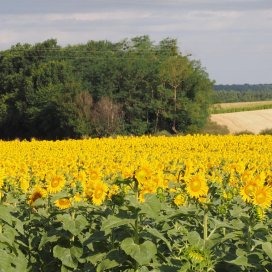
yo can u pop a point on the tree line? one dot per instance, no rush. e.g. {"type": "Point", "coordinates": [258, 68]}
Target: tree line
{"type": "Point", "coordinates": [242, 93]}
{"type": "Point", "coordinates": [101, 88]}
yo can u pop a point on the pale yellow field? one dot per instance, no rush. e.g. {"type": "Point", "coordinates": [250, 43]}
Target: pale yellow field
{"type": "Point", "coordinates": [253, 121]}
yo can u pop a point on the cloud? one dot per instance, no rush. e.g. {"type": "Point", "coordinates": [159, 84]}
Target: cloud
{"type": "Point", "coordinates": [219, 33]}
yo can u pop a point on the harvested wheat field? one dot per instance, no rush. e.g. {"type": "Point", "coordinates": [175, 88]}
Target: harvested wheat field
{"type": "Point", "coordinates": [253, 121]}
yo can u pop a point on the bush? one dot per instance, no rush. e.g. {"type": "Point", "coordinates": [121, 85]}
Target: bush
{"type": "Point", "coordinates": [244, 132]}
{"type": "Point", "coordinates": [267, 131]}
{"type": "Point", "coordinates": [214, 129]}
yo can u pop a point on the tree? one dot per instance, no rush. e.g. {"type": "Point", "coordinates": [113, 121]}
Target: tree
{"type": "Point", "coordinates": [130, 87]}
{"type": "Point", "coordinates": [173, 72]}
{"type": "Point", "coordinates": [107, 117]}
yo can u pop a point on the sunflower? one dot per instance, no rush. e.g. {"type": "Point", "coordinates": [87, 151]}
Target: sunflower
{"type": "Point", "coordinates": [143, 174]}
{"type": "Point", "coordinates": [196, 255]}
{"type": "Point", "coordinates": [263, 196]}
{"type": "Point", "coordinates": [37, 193]}
{"type": "Point", "coordinates": [94, 174]}
{"type": "Point", "coordinates": [260, 213]}
{"type": "Point", "coordinates": [247, 191]}
{"type": "Point", "coordinates": [114, 190]}
{"type": "Point", "coordinates": [1, 178]}
{"type": "Point", "coordinates": [127, 171]}
{"type": "Point", "coordinates": [78, 197]}
{"type": "Point", "coordinates": [63, 203]}
{"type": "Point", "coordinates": [99, 192]}
{"type": "Point", "coordinates": [197, 186]}
{"type": "Point", "coordinates": [179, 199]}
{"type": "Point", "coordinates": [24, 183]}
{"type": "Point", "coordinates": [55, 183]}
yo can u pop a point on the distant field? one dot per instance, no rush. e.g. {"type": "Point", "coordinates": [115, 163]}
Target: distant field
{"type": "Point", "coordinates": [253, 121]}
{"type": "Point", "coordinates": [240, 106]}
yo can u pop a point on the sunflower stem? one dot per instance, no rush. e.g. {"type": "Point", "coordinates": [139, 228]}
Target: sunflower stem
{"type": "Point", "coordinates": [136, 226]}
{"type": "Point", "coordinates": [205, 227]}
{"type": "Point", "coordinates": [73, 213]}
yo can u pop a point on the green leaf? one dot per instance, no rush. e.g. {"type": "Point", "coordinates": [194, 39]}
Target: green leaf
{"type": "Point", "coordinates": [8, 235]}
{"type": "Point", "coordinates": [113, 222]}
{"type": "Point", "coordinates": [64, 254]}
{"type": "Point", "coordinates": [6, 216]}
{"type": "Point", "coordinates": [76, 252]}
{"type": "Point", "coordinates": [142, 253]}
{"type": "Point", "coordinates": [241, 261]}
{"type": "Point", "coordinates": [81, 222]}
{"type": "Point", "coordinates": [267, 248]}
{"type": "Point", "coordinates": [111, 260]}
{"type": "Point", "coordinates": [185, 267]}
{"type": "Point", "coordinates": [238, 224]}
{"type": "Point", "coordinates": [240, 252]}
{"type": "Point", "coordinates": [95, 259]}
{"type": "Point", "coordinates": [194, 238]}
{"type": "Point", "coordinates": [151, 207]}
{"type": "Point", "coordinates": [68, 223]}
{"type": "Point", "coordinates": [47, 239]}
{"type": "Point", "coordinates": [64, 269]}
{"type": "Point", "coordinates": [96, 236]}
{"type": "Point", "coordinates": [58, 196]}
{"type": "Point", "coordinates": [5, 262]}
{"type": "Point", "coordinates": [19, 226]}
{"type": "Point", "coordinates": [106, 264]}
{"type": "Point", "coordinates": [157, 234]}
{"type": "Point", "coordinates": [21, 262]}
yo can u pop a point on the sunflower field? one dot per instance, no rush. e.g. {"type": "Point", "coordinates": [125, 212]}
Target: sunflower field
{"type": "Point", "coordinates": [188, 203]}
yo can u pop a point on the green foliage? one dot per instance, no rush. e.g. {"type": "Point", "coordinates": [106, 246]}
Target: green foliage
{"type": "Point", "coordinates": [267, 131]}
{"type": "Point", "coordinates": [222, 235]}
{"type": "Point", "coordinates": [242, 93]}
{"type": "Point", "coordinates": [136, 87]}
{"type": "Point", "coordinates": [213, 128]}
{"type": "Point", "coordinates": [244, 132]}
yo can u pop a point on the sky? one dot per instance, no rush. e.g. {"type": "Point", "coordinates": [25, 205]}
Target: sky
{"type": "Point", "coordinates": [231, 38]}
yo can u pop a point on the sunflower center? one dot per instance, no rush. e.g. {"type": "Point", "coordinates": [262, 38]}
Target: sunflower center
{"type": "Point", "coordinates": [249, 189]}
{"type": "Point", "coordinates": [261, 198]}
{"type": "Point", "coordinates": [98, 193]}
{"type": "Point", "coordinates": [55, 182]}
{"type": "Point", "coordinates": [94, 175]}
{"type": "Point", "coordinates": [195, 185]}
{"type": "Point", "coordinates": [64, 201]}
{"type": "Point", "coordinates": [36, 196]}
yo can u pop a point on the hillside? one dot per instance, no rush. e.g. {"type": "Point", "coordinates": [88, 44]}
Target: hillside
{"type": "Point", "coordinates": [253, 121]}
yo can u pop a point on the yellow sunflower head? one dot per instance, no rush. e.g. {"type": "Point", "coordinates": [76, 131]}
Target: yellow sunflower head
{"type": "Point", "coordinates": [94, 174]}
{"type": "Point", "coordinates": [55, 183]}
{"type": "Point", "coordinates": [114, 190]}
{"type": "Point", "coordinates": [143, 174]}
{"type": "Point", "coordinates": [179, 199]}
{"type": "Point", "coordinates": [78, 197]}
{"type": "Point", "coordinates": [37, 193]}
{"type": "Point", "coordinates": [247, 191]}
{"type": "Point", "coordinates": [63, 203]}
{"type": "Point", "coordinates": [197, 186]}
{"type": "Point", "coordinates": [263, 197]}
{"type": "Point", "coordinates": [99, 193]}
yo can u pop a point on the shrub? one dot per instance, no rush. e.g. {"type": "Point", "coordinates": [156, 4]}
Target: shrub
{"type": "Point", "coordinates": [267, 131]}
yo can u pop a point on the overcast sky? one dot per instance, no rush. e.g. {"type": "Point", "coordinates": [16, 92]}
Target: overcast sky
{"type": "Point", "coordinates": [231, 38]}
